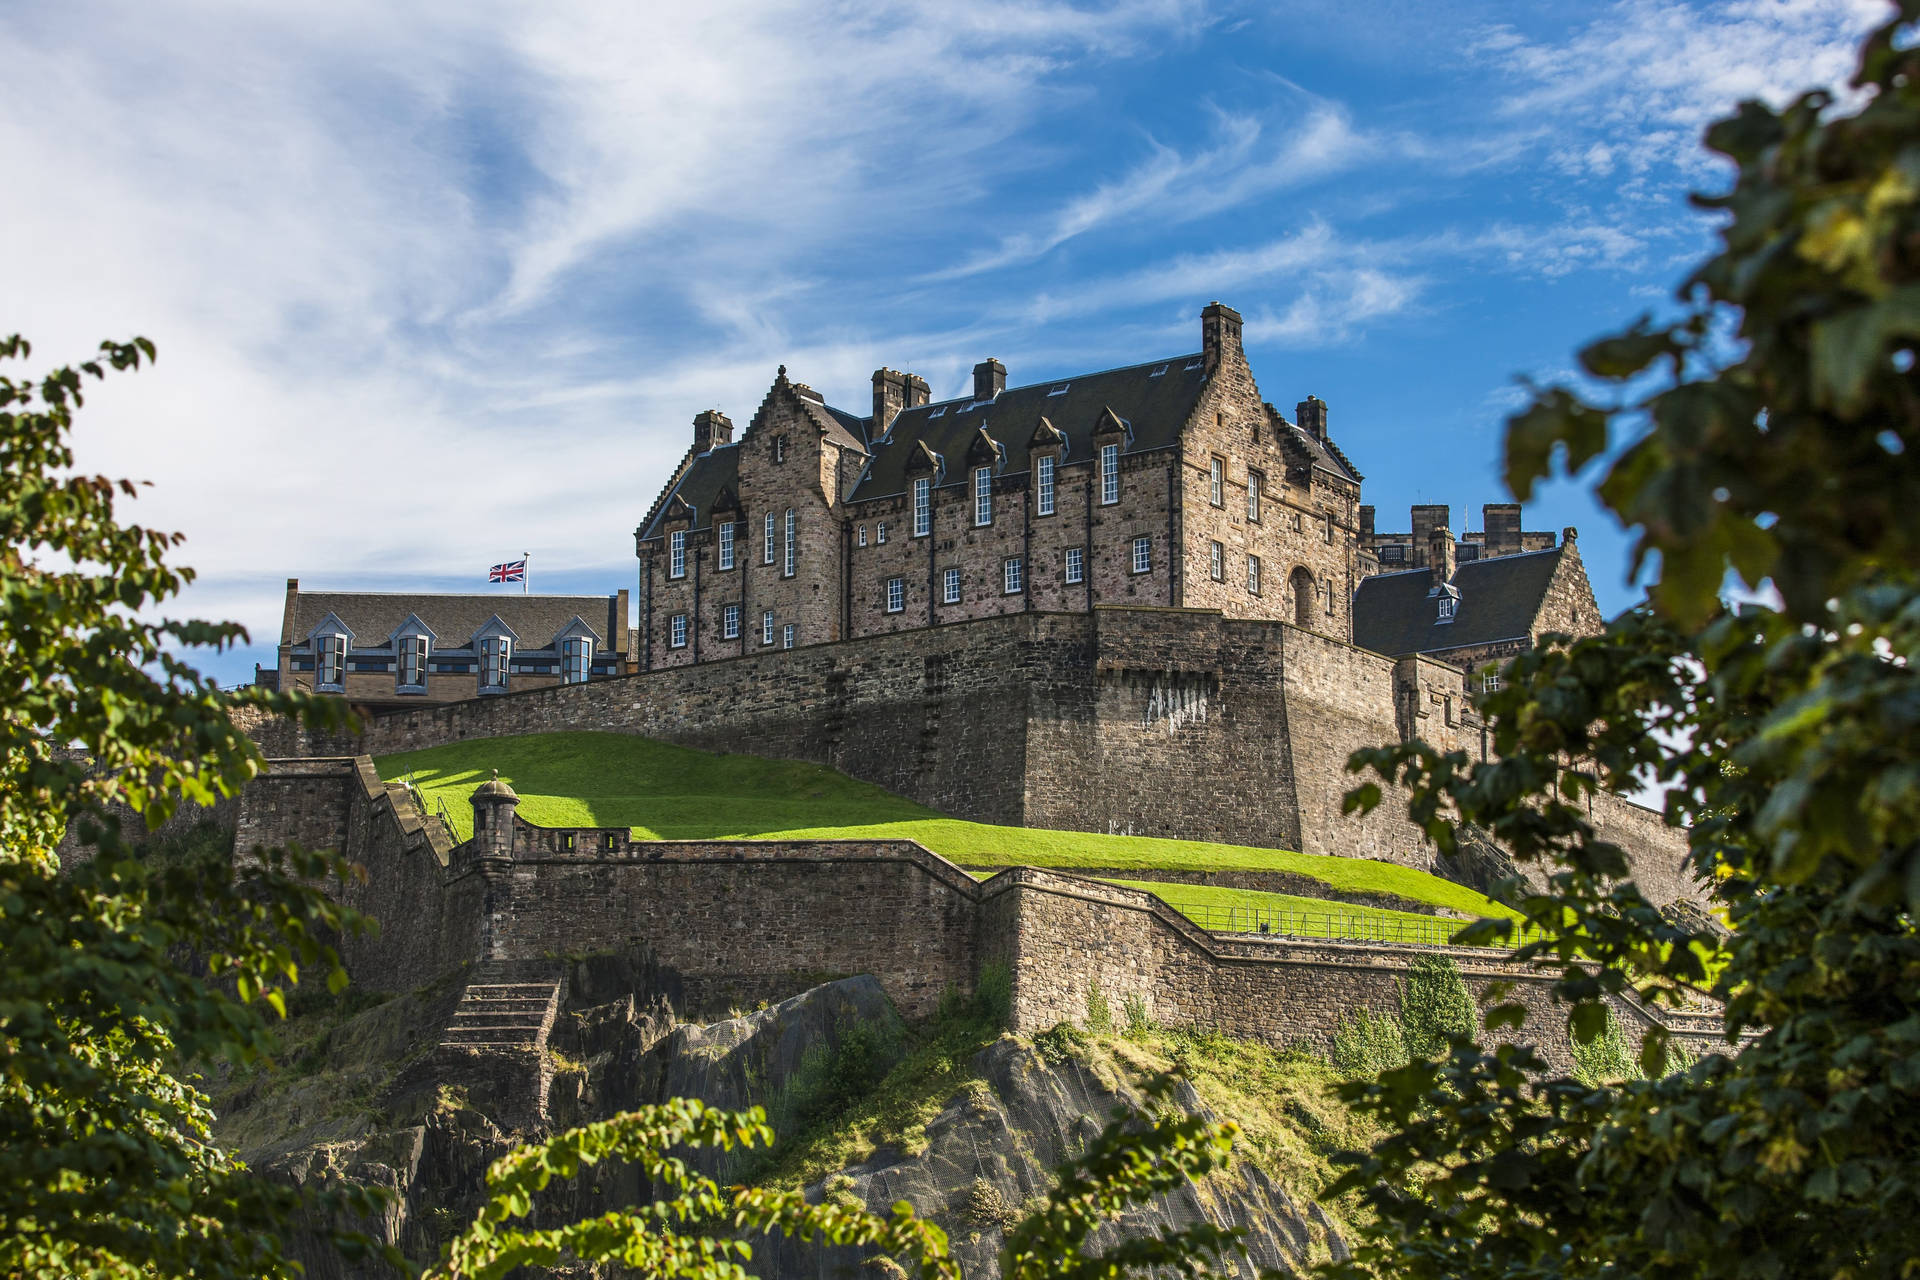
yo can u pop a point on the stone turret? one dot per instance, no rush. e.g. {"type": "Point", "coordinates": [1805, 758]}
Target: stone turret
{"type": "Point", "coordinates": [494, 803]}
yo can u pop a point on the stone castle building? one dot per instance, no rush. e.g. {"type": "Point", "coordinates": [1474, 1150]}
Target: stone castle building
{"type": "Point", "coordinates": [1166, 483]}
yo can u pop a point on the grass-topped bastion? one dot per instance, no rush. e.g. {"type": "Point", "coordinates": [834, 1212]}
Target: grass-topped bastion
{"type": "Point", "coordinates": [665, 792]}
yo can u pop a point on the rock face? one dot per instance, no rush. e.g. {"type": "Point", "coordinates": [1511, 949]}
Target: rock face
{"type": "Point", "coordinates": [614, 1047]}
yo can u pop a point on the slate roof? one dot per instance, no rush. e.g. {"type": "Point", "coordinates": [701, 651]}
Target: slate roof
{"type": "Point", "coordinates": [711, 472]}
{"type": "Point", "coordinates": [372, 616]}
{"type": "Point", "coordinates": [1324, 454]}
{"type": "Point", "coordinates": [1155, 405]}
{"type": "Point", "coordinates": [1499, 599]}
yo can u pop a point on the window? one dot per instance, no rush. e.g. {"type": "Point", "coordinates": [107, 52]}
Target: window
{"type": "Point", "coordinates": [1217, 483]}
{"type": "Point", "coordinates": [766, 547]}
{"type": "Point", "coordinates": [1016, 576]}
{"type": "Point", "coordinates": [1076, 564]}
{"type": "Point", "coordinates": [1109, 474]}
{"type": "Point", "coordinates": [495, 653]}
{"type": "Point", "coordinates": [1254, 481]}
{"type": "Point", "coordinates": [766, 627]}
{"type": "Point", "coordinates": [576, 655]}
{"type": "Point", "coordinates": [786, 570]}
{"type": "Point", "coordinates": [1490, 682]}
{"type": "Point", "coordinates": [1060, 390]}
{"type": "Point", "coordinates": [726, 545]}
{"type": "Point", "coordinates": [896, 594]}
{"type": "Point", "coordinates": [677, 554]}
{"type": "Point", "coordinates": [1043, 485]}
{"type": "Point", "coordinates": [880, 532]}
{"type": "Point", "coordinates": [779, 448]}
{"type": "Point", "coordinates": [982, 496]}
{"type": "Point", "coordinates": [950, 587]}
{"type": "Point", "coordinates": [786, 636]}
{"type": "Point", "coordinates": [863, 535]}
{"type": "Point", "coordinates": [332, 665]}
{"type": "Point", "coordinates": [1143, 555]}
{"type": "Point", "coordinates": [1217, 561]}
{"type": "Point", "coordinates": [730, 622]}
{"type": "Point", "coordinates": [1446, 609]}
{"type": "Point", "coordinates": [922, 507]}
{"type": "Point", "coordinates": [1329, 595]}
{"type": "Point", "coordinates": [1329, 526]}
{"type": "Point", "coordinates": [677, 631]}
{"type": "Point", "coordinates": [1393, 553]}
{"type": "Point", "coordinates": [413, 662]}
{"type": "Point", "coordinates": [1157, 372]}
{"type": "Point", "coordinates": [1253, 575]}
{"type": "Point", "coordinates": [1296, 522]}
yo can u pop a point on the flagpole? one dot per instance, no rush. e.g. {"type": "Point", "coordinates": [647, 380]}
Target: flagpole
{"type": "Point", "coordinates": [527, 577]}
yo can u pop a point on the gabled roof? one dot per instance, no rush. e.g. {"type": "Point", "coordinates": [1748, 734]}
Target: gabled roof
{"type": "Point", "coordinates": [1156, 405]}
{"type": "Point", "coordinates": [1499, 599]}
{"type": "Point", "coordinates": [700, 487]}
{"type": "Point", "coordinates": [373, 616]}
{"type": "Point", "coordinates": [1324, 454]}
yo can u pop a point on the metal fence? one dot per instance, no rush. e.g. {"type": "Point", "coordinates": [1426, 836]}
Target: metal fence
{"type": "Point", "coordinates": [1337, 926]}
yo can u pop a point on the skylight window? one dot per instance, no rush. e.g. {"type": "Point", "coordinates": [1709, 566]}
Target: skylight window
{"type": "Point", "coordinates": [936, 411]}
{"type": "Point", "coordinates": [1060, 390]}
{"type": "Point", "coordinates": [1157, 372]}
{"type": "Point", "coordinates": [1194, 363]}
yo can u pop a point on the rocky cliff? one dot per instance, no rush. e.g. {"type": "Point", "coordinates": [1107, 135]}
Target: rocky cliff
{"type": "Point", "coordinates": [962, 1122]}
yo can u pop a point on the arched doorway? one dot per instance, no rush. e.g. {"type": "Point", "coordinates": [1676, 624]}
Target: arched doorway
{"type": "Point", "coordinates": [1304, 595]}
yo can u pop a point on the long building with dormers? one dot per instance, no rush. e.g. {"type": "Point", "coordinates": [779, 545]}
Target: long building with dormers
{"type": "Point", "coordinates": [1169, 482]}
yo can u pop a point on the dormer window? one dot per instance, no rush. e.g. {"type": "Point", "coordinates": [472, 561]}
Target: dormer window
{"type": "Point", "coordinates": [330, 661]}
{"type": "Point", "coordinates": [576, 653]}
{"type": "Point", "coordinates": [725, 533]}
{"type": "Point", "coordinates": [1109, 474]}
{"type": "Point", "coordinates": [982, 496]}
{"type": "Point", "coordinates": [1043, 485]}
{"type": "Point", "coordinates": [496, 652]}
{"type": "Point", "coordinates": [922, 507]}
{"type": "Point", "coordinates": [413, 663]}
{"type": "Point", "coordinates": [1446, 606]}
{"type": "Point", "coordinates": [677, 554]}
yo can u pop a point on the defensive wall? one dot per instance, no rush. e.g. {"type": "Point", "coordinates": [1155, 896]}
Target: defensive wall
{"type": "Point", "coordinates": [741, 921]}
{"type": "Point", "coordinates": [1146, 721]}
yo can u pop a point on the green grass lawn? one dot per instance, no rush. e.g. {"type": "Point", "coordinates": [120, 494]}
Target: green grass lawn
{"type": "Point", "coordinates": [666, 792]}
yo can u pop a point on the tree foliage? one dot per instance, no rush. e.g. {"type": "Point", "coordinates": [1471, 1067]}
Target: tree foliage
{"type": "Point", "coordinates": [1774, 434]}
{"type": "Point", "coordinates": [121, 973]}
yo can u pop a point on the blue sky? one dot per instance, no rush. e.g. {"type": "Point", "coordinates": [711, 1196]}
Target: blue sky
{"type": "Point", "coordinates": [437, 284]}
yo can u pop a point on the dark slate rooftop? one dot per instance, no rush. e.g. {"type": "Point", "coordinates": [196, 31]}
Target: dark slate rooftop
{"type": "Point", "coordinates": [1392, 613]}
{"type": "Point", "coordinates": [1154, 399]}
{"type": "Point", "coordinates": [700, 487]}
{"type": "Point", "coordinates": [373, 616]}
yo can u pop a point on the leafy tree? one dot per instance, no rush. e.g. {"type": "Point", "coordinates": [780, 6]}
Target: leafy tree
{"type": "Point", "coordinates": [121, 971]}
{"type": "Point", "coordinates": [1777, 437]}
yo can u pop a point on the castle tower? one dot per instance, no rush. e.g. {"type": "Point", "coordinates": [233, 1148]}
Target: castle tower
{"type": "Point", "coordinates": [494, 803]}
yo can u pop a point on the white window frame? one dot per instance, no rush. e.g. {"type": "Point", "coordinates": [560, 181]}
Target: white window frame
{"type": "Point", "coordinates": [1254, 481]}
{"type": "Point", "coordinates": [922, 507]}
{"type": "Point", "coordinates": [1109, 474]}
{"type": "Point", "coordinates": [1076, 565]}
{"type": "Point", "coordinates": [787, 556]}
{"type": "Point", "coordinates": [1217, 561]}
{"type": "Point", "coordinates": [896, 595]}
{"type": "Point", "coordinates": [730, 622]}
{"type": "Point", "coordinates": [576, 659]}
{"type": "Point", "coordinates": [982, 497]}
{"type": "Point", "coordinates": [1253, 575]}
{"type": "Point", "coordinates": [950, 587]}
{"type": "Point", "coordinates": [725, 533]}
{"type": "Point", "coordinates": [677, 631]}
{"type": "Point", "coordinates": [880, 533]}
{"type": "Point", "coordinates": [677, 554]}
{"type": "Point", "coordinates": [1217, 481]}
{"type": "Point", "coordinates": [863, 535]}
{"type": "Point", "coordinates": [1043, 485]}
{"type": "Point", "coordinates": [766, 627]}
{"type": "Point", "coordinates": [496, 660]}
{"type": "Point", "coordinates": [1444, 613]}
{"type": "Point", "coordinates": [1143, 554]}
{"type": "Point", "coordinates": [412, 650]}
{"type": "Point", "coordinates": [330, 651]}
{"type": "Point", "coordinates": [1013, 576]}
{"type": "Point", "coordinates": [1490, 682]}
{"type": "Point", "coordinates": [786, 636]}
{"type": "Point", "coordinates": [766, 551]}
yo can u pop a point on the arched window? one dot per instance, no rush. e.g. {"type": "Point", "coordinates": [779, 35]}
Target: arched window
{"type": "Point", "coordinates": [1304, 591]}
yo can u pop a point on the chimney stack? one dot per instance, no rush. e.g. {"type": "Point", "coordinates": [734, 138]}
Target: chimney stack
{"type": "Point", "coordinates": [989, 379]}
{"type": "Point", "coordinates": [1366, 525]}
{"type": "Point", "coordinates": [1311, 414]}
{"type": "Point", "coordinates": [1219, 335]}
{"type": "Point", "coordinates": [711, 428]}
{"type": "Point", "coordinates": [1500, 522]}
{"type": "Point", "coordinates": [1440, 556]}
{"type": "Point", "coordinates": [1426, 518]}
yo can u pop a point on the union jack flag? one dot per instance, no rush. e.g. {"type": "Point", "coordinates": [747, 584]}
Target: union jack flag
{"type": "Point", "coordinates": [511, 571]}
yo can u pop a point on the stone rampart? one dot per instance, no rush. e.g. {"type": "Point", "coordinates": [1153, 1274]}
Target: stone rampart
{"type": "Point", "coordinates": [742, 921]}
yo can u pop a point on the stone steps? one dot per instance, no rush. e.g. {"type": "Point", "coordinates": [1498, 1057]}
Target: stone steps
{"type": "Point", "coordinates": [496, 1012]}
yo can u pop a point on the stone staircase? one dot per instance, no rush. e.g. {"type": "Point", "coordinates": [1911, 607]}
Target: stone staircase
{"type": "Point", "coordinates": [506, 1006]}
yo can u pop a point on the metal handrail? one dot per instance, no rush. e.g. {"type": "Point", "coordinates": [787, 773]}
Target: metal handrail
{"type": "Point", "coordinates": [1338, 926]}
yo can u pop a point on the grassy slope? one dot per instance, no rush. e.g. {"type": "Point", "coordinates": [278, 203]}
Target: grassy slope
{"type": "Point", "coordinates": [1209, 905]}
{"type": "Point", "coordinates": [674, 793]}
